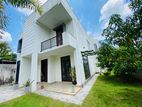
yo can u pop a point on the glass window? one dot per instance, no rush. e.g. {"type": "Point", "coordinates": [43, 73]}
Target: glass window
{"type": "Point", "coordinates": [86, 67]}
{"type": "Point", "coordinates": [19, 46]}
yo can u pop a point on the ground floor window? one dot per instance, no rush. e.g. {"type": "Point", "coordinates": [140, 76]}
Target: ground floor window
{"type": "Point", "coordinates": [86, 67]}
{"type": "Point", "coordinates": [17, 72]}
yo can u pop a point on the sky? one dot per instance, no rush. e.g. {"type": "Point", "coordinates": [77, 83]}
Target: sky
{"type": "Point", "coordinates": [92, 14]}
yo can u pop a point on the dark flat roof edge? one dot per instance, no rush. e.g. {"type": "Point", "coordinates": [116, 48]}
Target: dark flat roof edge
{"type": "Point", "coordinates": [7, 62]}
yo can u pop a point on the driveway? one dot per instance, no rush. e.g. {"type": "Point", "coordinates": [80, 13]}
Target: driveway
{"type": "Point", "coordinates": [7, 93]}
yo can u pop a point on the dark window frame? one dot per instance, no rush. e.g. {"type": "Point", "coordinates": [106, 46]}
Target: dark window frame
{"type": "Point", "coordinates": [19, 46]}
{"type": "Point", "coordinates": [86, 67]}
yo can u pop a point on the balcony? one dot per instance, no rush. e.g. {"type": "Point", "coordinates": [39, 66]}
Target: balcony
{"type": "Point", "coordinates": [57, 15]}
{"type": "Point", "coordinates": [65, 39]}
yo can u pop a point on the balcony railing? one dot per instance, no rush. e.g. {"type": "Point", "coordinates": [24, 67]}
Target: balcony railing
{"type": "Point", "coordinates": [52, 42]}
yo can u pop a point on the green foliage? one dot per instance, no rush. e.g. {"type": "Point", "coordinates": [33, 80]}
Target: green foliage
{"type": "Point", "coordinates": [73, 75]}
{"type": "Point", "coordinates": [28, 83]}
{"type": "Point", "coordinates": [105, 56]}
{"type": "Point", "coordinates": [31, 4]}
{"type": "Point", "coordinates": [13, 57]}
{"type": "Point", "coordinates": [122, 50]}
{"type": "Point", "coordinates": [106, 73]}
{"type": "Point", "coordinates": [106, 92]}
{"type": "Point", "coordinates": [6, 53]}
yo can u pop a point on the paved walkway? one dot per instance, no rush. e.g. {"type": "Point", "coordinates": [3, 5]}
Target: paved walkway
{"type": "Point", "coordinates": [8, 93]}
{"type": "Point", "coordinates": [77, 99]}
{"type": "Point", "coordinates": [60, 87]}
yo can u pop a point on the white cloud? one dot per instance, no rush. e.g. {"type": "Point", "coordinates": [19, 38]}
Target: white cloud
{"type": "Point", "coordinates": [96, 36]}
{"type": "Point", "coordinates": [5, 36]}
{"type": "Point", "coordinates": [27, 11]}
{"type": "Point", "coordinates": [100, 37]}
{"type": "Point", "coordinates": [114, 7]}
{"type": "Point", "coordinates": [42, 1]}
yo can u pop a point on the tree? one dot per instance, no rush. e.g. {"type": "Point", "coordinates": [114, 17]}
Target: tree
{"type": "Point", "coordinates": [105, 56]}
{"type": "Point", "coordinates": [31, 4]}
{"type": "Point", "coordinates": [124, 47]}
{"type": "Point", "coordinates": [13, 57]}
{"type": "Point", "coordinates": [6, 53]}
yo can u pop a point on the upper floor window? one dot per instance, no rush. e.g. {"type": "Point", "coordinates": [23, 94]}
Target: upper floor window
{"type": "Point", "coordinates": [19, 46]}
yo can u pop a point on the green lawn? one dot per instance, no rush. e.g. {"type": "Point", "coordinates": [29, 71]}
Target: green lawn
{"type": "Point", "coordinates": [107, 92]}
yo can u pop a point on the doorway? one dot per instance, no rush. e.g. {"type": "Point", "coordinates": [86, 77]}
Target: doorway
{"type": "Point", "coordinates": [65, 68]}
{"type": "Point", "coordinates": [44, 70]}
{"type": "Point", "coordinates": [17, 72]}
{"type": "Point", "coordinates": [59, 31]}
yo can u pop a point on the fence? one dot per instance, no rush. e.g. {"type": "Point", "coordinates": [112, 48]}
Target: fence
{"type": "Point", "coordinates": [7, 73]}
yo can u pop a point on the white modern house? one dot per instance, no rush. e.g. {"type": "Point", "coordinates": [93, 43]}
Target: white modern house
{"type": "Point", "coordinates": [53, 43]}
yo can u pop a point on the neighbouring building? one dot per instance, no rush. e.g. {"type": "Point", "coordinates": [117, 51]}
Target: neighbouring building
{"type": "Point", "coordinates": [51, 44]}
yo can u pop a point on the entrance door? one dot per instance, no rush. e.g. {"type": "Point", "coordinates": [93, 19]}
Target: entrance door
{"type": "Point", "coordinates": [65, 68]}
{"type": "Point", "coordinates": [44, 69]}
{"type": "Point", "coordinates": [17, 72]}
{"type": "Point", "coordinates": [59, 31]}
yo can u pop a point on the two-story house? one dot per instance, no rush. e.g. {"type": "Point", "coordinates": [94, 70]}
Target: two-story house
{"type": "Point", "coordinates": [53, 43]}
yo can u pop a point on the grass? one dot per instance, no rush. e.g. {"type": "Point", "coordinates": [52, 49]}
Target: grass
{"type": "Point", "coordinates": [106, 92]}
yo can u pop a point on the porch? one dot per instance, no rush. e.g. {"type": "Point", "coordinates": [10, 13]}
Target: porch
{"type": "Point", "coordinates": [54, 66]}
{"type": "Point", "coordinates": [76, 99]}
{"type": "Point", "coordinates": [60, 87]}
{"type": "Point", "coordinates": [50, 67]}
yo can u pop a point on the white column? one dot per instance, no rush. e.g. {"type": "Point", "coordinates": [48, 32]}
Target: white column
{"type": "Point", "coordinates": [80, 76]}
{"type": "Point", "coordinates": [25, 71]}
{"type": "Point", "coordinates": [34, 69]}
{"type": "Point", "coordinates": [21, 73]}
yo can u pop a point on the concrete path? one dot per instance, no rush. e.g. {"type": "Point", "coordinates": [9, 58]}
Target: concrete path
{"type": "Point", "coordinates": [77, 99]}
{"type": "Point", "coordinates": [8, 93]}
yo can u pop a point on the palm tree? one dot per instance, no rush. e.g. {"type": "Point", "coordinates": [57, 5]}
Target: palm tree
{"type": "Point", "coordinates": [31, 4]}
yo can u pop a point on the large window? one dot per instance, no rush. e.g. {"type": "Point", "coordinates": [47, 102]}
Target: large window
{"type": "Point", "coordinates": [17, 72]}
{"type": "Point", "coordinates": [19, 46]}
{"type": "Point", "coordinates": [86, 67]}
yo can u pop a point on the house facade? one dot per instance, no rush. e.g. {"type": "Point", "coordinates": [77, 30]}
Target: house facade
{"type": "Point", "coordinates": [53, 43]}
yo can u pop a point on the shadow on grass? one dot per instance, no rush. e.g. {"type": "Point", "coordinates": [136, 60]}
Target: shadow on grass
{"type": "Point", "coordinates": [122, 93]}
{"type": "Point", "coordinates": [118, 81]}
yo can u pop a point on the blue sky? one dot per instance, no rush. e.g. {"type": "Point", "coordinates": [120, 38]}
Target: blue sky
{"type": "Point", "coordinates": [15, 25]}
{"type": "Point", "coordinates": [93, 15]}
{"type": "Point", "coordinates": [88, 13]}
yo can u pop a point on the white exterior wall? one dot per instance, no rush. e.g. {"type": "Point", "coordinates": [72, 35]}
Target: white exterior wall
{"type": "Point", "coordinates": [54, 67]}
{"type": "Point", "coordinates": [25, 70]}
{"type": "Point", "coordinates": [57, 75]}
{"type": "Point", "coordinates": [51, 69]}
{"type": "Point", "coordinates": [93, 64]}
{"type": "Point", "coordinates": [35, 33]}
{"type": "Point", "coordinates": [34, 71]}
